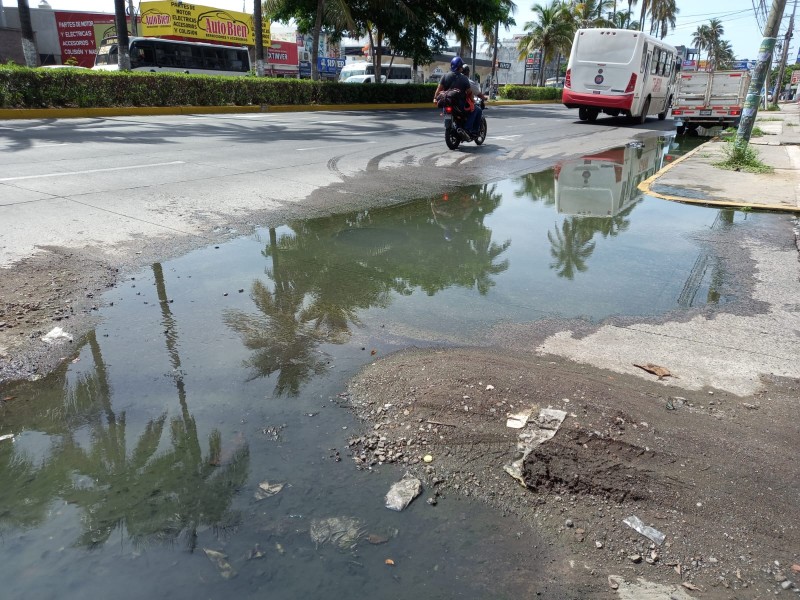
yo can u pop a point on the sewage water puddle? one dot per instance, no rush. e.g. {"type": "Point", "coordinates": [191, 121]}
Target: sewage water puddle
{"type": "Point", "coordinates": [141, 457]}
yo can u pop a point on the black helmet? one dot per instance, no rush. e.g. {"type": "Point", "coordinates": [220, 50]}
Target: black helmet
{"type": "Point", "coordinates": [456, 64]}
{"type": "Point", "coordinates": [465, 70]}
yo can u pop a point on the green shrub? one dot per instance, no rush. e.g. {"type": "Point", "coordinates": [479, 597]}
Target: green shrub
{"type": "Point", "coordinates": [526, 92]}
{"type": "Point", "coordinates": [21, 87]}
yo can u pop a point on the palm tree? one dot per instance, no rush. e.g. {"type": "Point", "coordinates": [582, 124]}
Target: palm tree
{"type": "Point", "coordinates": [701, 38]}
{"type": "Point", "coordinates": [622, 20]}
{"type": "Point", "coordinates": [551, 32]}
{"type": "Point", "coordinates": [589, 13]}
{"type": "Point", "coordinates": [663, 15]}
{"type": "Point", "coordinates": [631, 4]}
{"type": "Point", "coordinates": [723, 55]}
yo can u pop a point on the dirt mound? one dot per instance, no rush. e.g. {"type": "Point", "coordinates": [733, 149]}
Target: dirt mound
{"type": "Point", "coordinates": [713, 472]}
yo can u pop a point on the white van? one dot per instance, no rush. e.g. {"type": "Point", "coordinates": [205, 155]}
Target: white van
{"type": "Point", "coordinates": [619, 71]}
{"type": "Point", "coordinates": [364, 72]}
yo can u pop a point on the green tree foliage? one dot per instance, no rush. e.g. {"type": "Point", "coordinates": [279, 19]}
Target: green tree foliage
{"type": "Point", "coordinates": [551, 33]}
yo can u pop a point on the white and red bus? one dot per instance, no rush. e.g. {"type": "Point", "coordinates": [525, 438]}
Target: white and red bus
{"type": "Point", "coordinates": [619, 72]}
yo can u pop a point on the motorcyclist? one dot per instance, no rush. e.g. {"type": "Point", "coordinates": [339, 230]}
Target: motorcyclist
{"type": "Point", "coordinates": [456, 79]}
{"type": "Point", "coordinates": [476, 93]}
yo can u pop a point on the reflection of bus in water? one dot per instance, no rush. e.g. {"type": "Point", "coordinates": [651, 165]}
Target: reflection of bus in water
{"type": "Point", "coordinates": [603, 184]}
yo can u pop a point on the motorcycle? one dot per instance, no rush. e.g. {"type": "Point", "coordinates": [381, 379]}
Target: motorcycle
{"type": "Point", "coordinates": [455, 119]}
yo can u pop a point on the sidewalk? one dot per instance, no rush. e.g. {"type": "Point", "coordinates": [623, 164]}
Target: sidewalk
{"type": "Point", "coordinates": [694, 179]}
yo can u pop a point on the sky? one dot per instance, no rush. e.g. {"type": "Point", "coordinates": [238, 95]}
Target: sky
{"type": "Point", "coordinates": [737, 16]}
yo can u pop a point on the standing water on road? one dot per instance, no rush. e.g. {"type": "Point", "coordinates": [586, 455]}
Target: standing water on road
{"type": "Point", "coordinates": [196, 442]}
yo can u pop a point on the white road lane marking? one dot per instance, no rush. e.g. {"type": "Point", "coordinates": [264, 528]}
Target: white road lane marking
{"type": "Point", "coordinates": [67, 173]}
{"type": "Point", "coordinates": [506, 137]}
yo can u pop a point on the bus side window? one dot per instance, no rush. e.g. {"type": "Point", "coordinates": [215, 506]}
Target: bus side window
{"type": "Point", "coordinates": [643, 66]}
{"type": "Point", "coordinates": [654, 63]}
{"type": "Point", "coordinates": [142, 55]}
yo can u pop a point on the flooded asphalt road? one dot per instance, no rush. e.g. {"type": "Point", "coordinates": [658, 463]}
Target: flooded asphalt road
{"type": "Point", "coordinates": [222, 369]}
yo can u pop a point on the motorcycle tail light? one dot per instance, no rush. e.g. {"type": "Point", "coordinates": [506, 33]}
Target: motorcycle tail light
{"type": "Point", "coordinates": [448, 109]}
{"type": "Point", "coordinates": [631, 84]}
{"type": "Point", "coordinates": [568, 79]}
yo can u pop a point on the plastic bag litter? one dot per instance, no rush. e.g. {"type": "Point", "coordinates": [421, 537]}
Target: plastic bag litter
{"type": "Point", "coordinates": [403, 492]}
{"type": "Point", "coordinates": [547, 422]}
{"type": "Point", "coordinates": [267, 489]}
{"type": "Point", "coordinates": [649, 532]}
{"type": "Point", "coordinates": [518, 420]}
{"type": "Point", "coordinates": [220, 560]}
{"type": "Point", "coordinates": [7, 436]}
{"type": "Point", "coordinates": [56, 334]}
{"type": "Point", "coordinates": [343, 532]}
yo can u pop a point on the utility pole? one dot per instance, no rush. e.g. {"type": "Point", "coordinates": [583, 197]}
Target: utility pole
{"type": "Point", "coordinates": [132, 15]}
{"type": "Point", "coordinates": [474, 47]}
{"type": "Point", "coordinates": [784, 56]}
{"type": "Point", "coordinates": [259, 31]}
{"type": "Point", "coordinates": [759, 75]}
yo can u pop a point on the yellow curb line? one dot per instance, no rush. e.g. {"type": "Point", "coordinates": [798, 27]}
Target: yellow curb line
{"type": "Point", "coordinates": [130, 111]}
{"type": "Point", "coordinates": [645, 188]}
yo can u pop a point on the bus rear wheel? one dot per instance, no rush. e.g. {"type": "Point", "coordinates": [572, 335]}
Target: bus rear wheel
{"type": "Point", "coordinates": [642, 118]}
{"type": "Point", "coordinates": [593, 112]}
{"type": "Point", "coordinates": [583, 113]}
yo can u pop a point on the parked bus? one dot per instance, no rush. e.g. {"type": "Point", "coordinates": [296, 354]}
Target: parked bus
{"type": "Point", "coordinates": [364, 72]}
{"type": "Point", "coordinates": [162, 56]}
{"type": "Point", "coordinates": [619, 71]}
{"type": "Point", "coordinates": [606, 183]}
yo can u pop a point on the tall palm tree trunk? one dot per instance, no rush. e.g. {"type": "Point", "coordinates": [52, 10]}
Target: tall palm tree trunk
{"type": "Point", "coordinates": [28, 41]}
{"type": "Point", "coordinates": [259, 35]}
{"type": "Point", "coordinates": [645, 6]}
{"type": "Point", "coordinates": [315, 40]}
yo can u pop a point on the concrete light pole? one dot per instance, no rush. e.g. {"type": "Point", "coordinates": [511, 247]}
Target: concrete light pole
{"type": "Point", "coordinates": [759, 75]}
{"type": "Point", "coordinates": [784, 56]}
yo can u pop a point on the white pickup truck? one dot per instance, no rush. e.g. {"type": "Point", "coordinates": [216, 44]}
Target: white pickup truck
{"type": "Point", "coordinates": [709, 99]}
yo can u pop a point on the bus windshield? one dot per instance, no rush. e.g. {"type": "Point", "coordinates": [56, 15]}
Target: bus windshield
{"type": "Point", "coordinates": [106, 55]}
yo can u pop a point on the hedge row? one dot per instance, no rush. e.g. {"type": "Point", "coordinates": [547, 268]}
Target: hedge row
{"type": "Point", "coordinates": [524, 92]}
{"type": "Point", "coordinates": [21, 87]}
{"type": "Point", "coordinates": [61, 88]}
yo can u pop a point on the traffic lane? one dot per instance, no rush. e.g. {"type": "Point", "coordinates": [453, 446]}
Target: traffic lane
{"type": "Point", "coordinates": [323, 145]}
{"type": "Point", "coordinates": [218, 178]}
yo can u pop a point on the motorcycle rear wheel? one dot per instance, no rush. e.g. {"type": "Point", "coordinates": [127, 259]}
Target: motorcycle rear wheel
{"type": "Point", "coordinates": [482, 133]}
{"type": "Point", "coordinates": [451, 138]}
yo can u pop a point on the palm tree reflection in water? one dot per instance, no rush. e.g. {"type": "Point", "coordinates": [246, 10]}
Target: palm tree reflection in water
{"type": "Point", "coordinates": [325, 271]}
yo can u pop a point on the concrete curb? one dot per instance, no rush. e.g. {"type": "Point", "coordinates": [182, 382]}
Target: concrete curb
{"type": "Point", "coordinates": [645, 187]}
{"type": "Point", "coordinates": [130, 111]}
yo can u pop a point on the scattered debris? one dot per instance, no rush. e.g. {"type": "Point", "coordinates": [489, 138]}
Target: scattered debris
{"type": "Point", "coordinates": [376, 539]}
{"type": "Point", "coordinates": [547, 424]}
{"type": "Point", "coordinates": [649, 532]}
{"type": "Point", "coordinates": [690, 586]}
{"type": "Point", "coordinates": [427, 458]}
{"type": "Point", "coordinates": [796, 568]}
{"type": "Point", "coordinates": [55, 335]}
{"type": "Point", "coordinates": [7, 436]}
{"type": "Point", "coordinates": [613, 583]}
{"type": "Point", "coordinates": [255, 553]}
{"type": "Point", "coordinates": [267, 490]}
{"type": "Point", "coordinates": [660, 372]}
{"type": "Point", "coordinates": [403, 492]}
{"type": "Point", "coordinates": [220, 559]}
{"type": "Point", "coordinates": [489, 387]}
{"type": "Point", "coordinates": [635, 558]}
{"type": "Point", "coordinates": [519, 419]}
{"type": "Point", "coordinates": [343, 532]}
{"type": "Point", "coordinates": [389, 562]}
{"type": "Point", "coordinates": [750, 406]}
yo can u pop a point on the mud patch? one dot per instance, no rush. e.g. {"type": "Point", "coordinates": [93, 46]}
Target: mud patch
{"type": "Point", "coordinates": [707, 470]}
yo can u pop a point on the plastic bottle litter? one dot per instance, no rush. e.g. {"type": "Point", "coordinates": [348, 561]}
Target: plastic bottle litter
{"type": "Point", "coordinates": [402, 493]}
{"type": "Point", "coordinates": [55, 335]}
{"type": "Point", "coordinates": [649, 532]}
